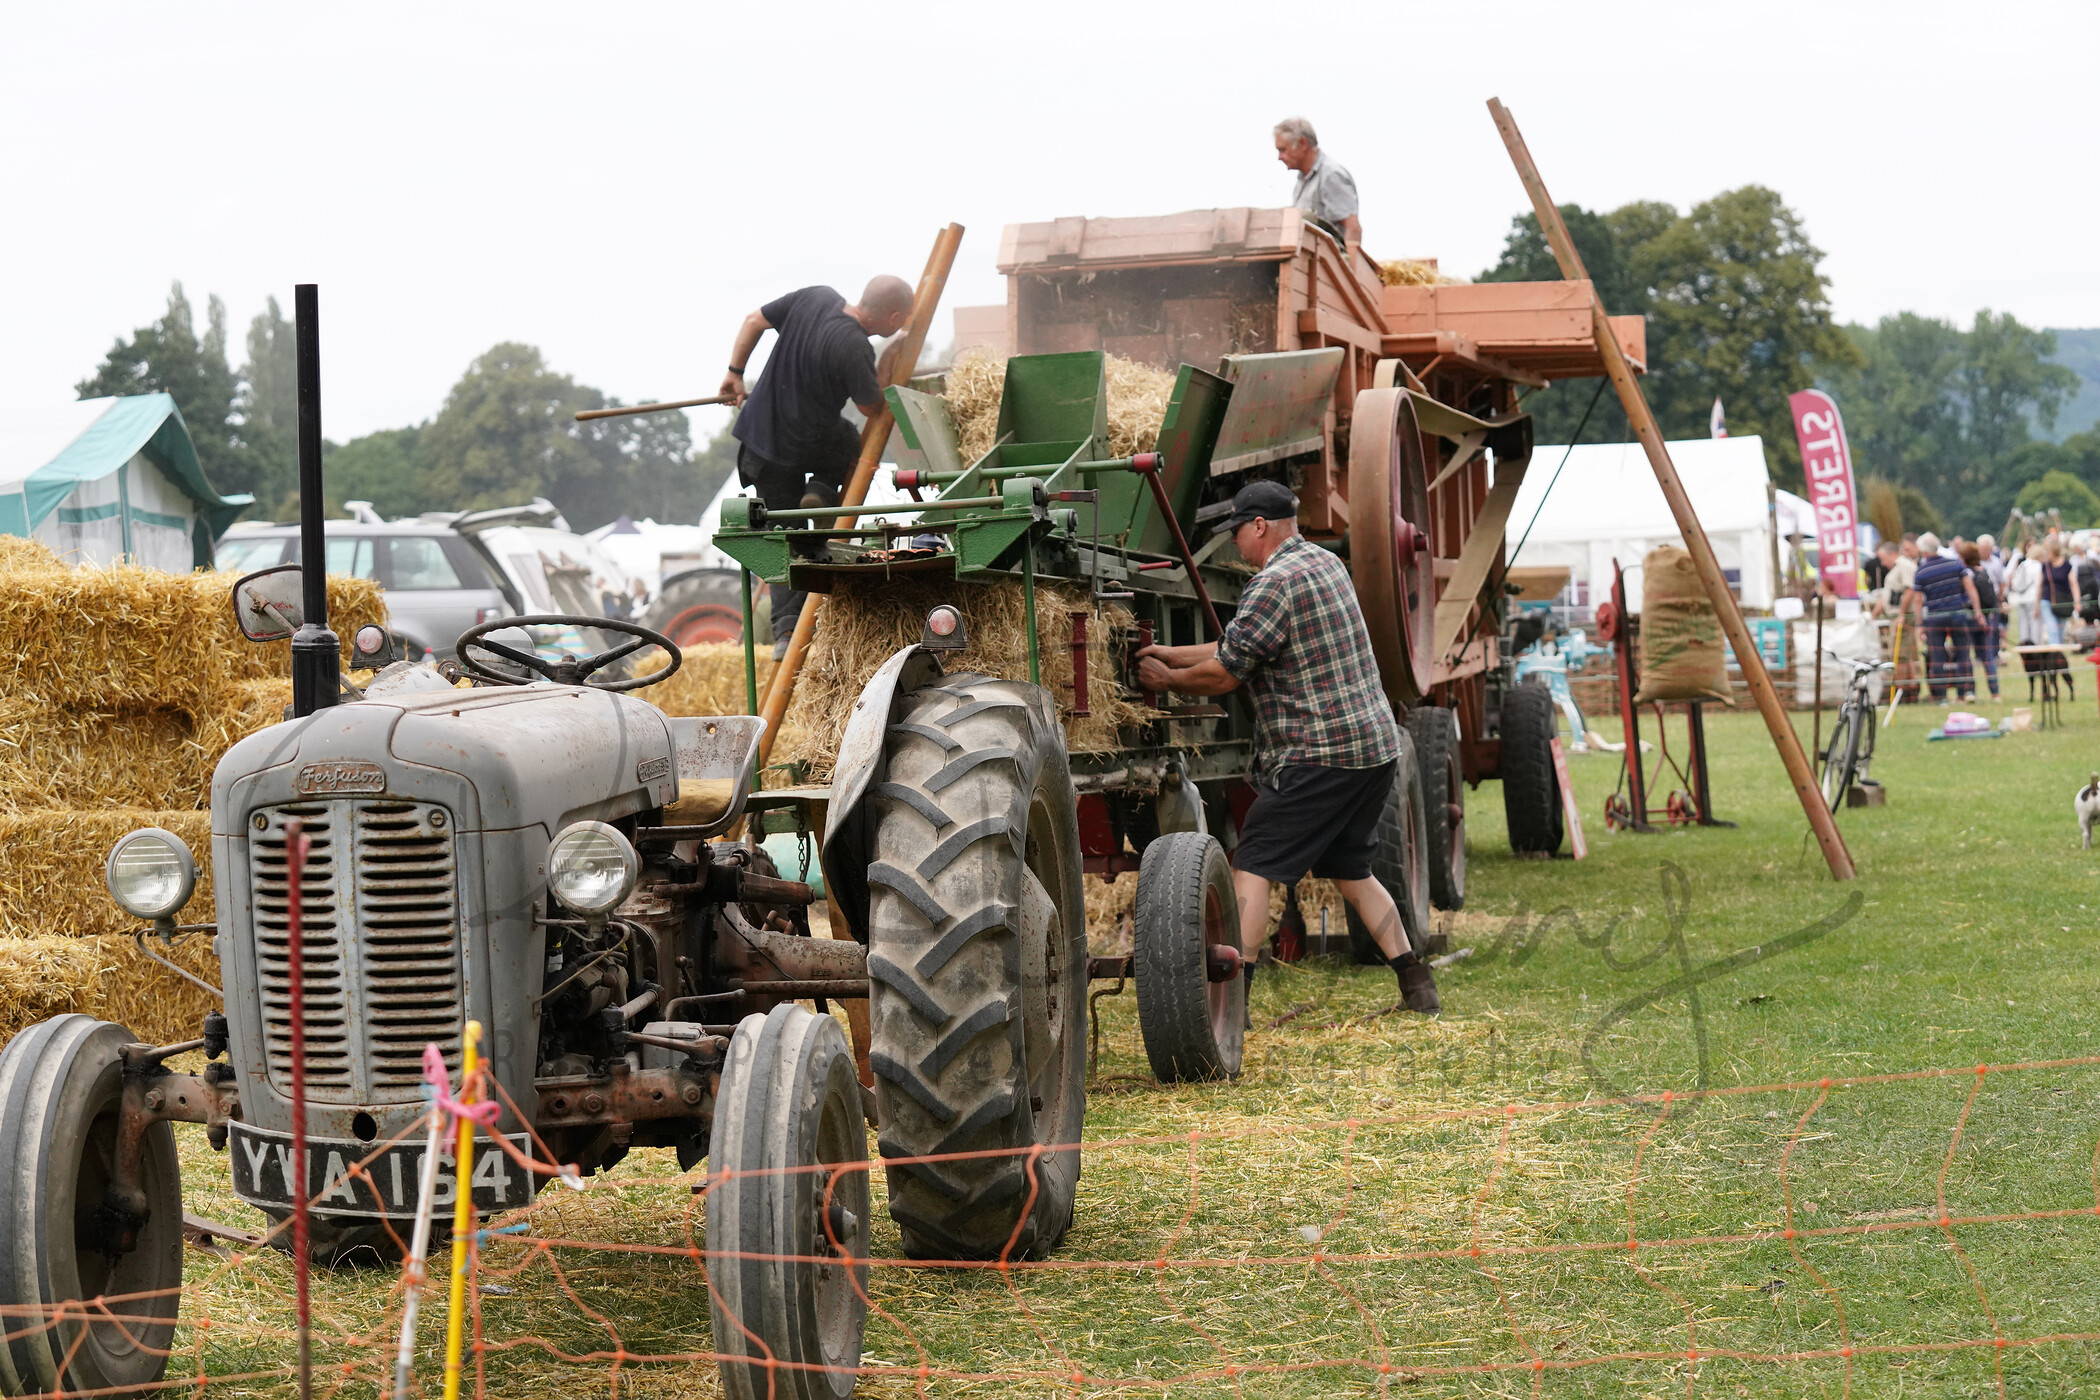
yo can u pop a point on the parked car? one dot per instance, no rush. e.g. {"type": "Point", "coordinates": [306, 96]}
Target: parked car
{"type": "Point", "coordinates": [444, 572]}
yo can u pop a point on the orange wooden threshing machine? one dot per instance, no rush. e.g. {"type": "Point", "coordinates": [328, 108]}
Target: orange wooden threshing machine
{"type": "Point", "coordinates": [1395, 412]}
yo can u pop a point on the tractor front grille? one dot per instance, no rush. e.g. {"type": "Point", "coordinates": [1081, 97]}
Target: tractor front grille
{"type": "Point", "coordinates": [381, 944]}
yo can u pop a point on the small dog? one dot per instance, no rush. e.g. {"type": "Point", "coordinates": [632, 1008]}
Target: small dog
{"type": "Point", "coordinates": [2087, 805]}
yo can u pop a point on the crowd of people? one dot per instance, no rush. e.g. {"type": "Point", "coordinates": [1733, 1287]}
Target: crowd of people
{"type": "Point", "coordinates": [1969, 600]}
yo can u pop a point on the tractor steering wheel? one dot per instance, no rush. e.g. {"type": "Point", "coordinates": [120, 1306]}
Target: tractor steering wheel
{"type": "Point", "coordinates": [573, 670]}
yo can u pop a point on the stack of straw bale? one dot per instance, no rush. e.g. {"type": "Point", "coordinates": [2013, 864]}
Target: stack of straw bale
{"type": "Point", "coordinates": [862, 624]}
{"type": "Point", "coordinates": [1405, 272]}
{"type": "Point", "coordinates": [120, 688]}
{"type": "Point", "coordinates": [710, 681]}
{"type": "Point", "coordinates": [1137, 403]}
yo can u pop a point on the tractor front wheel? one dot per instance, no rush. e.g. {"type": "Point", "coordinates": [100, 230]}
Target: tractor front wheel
{"type": "Point", "coordinates": [90, 1273]}
{"type": "Point", "coordinates": [787, 1246]}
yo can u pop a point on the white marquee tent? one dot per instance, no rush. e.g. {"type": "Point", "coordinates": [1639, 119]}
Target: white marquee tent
{"type": "Point", "coordinates": [105, 479]}
{"type": "Point", "coordinates": [1606, 505]}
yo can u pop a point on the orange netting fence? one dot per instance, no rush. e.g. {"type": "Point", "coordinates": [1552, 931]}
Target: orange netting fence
{"type": "Point", "coordinates": [1521, 1240]}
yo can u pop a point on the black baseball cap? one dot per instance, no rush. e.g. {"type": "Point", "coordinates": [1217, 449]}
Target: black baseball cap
{"type": "Point", "coordinates": [1259, 500]}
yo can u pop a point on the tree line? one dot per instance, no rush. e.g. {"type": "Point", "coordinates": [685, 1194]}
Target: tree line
{"type": "Point", "coordinates": [1946, 423]}
{"type": "Point", "coordinates": [505, 433]}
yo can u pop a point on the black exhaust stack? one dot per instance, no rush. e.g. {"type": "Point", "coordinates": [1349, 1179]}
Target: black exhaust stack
{"type": "Point", "coordinates": [317, 654]}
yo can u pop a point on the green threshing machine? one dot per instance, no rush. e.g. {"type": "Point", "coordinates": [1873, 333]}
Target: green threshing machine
{"type": "Point", "coordinates": [1383, 407]}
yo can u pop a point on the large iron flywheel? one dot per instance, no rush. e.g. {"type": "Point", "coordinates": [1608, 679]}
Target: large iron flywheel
{"type": "Point", "coordinates": [1389, 542]}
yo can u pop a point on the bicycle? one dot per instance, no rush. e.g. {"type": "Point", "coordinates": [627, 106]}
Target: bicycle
{"type": "Point", "coordinates": [1852, 737]}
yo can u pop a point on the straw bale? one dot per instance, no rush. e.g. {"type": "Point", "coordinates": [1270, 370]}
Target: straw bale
{"type": "Point", "coordinates": [106, 978]}
{"type": "Point", "coordinates": [138, 638]}
{"type": "Point", "coordinates": [973, 387]}
{"type": "Point", "coordinates": [862, 624]}
{"type": "Point", "coordinates": [1108, 903]}
{"type": "Point", "coordinates": [711, 682]}
{"type": "Point", "coordinates": [1137, 403]}
{"type": "Point", "coordinates": [51, 880]}
{"type": "Point", "coordinates": [72, 756]}
{"type": "Point", "coordinates": [1405, 272]}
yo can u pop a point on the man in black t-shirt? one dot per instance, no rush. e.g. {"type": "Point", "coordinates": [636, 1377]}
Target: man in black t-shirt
{"type": "Point", "coordinates": [793, 444]}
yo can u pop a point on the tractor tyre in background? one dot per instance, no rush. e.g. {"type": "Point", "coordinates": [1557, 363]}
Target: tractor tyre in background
{"type": "Point", "coordinates": [1401, 862]}
{"type": "Point", "coordinates": [1193, 1028]}
{"type": "Point", "coordinates": [64, 1241]}
{"type": "Point", "coordinates": [1530, 789]}
{"type": "Point", "coordinates": [700, 607]}
{"type": "Point", "coordinates": [1435, 732]}
{"type": "Point", "coordinates": [788, 1246]}
{"type": "Point", "coordinates": [977, 970]}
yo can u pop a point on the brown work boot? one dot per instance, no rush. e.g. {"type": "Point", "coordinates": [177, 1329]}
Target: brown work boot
{"type": "Point", "coordinates": [1417, 983]}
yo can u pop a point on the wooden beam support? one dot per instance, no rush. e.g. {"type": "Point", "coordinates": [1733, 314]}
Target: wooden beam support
{"type": "Point", "coordinates": [1645, 427]}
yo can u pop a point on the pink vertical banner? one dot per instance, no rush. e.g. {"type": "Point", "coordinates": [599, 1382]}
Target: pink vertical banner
{"type": "Point", "coordinates": [1826, 463]}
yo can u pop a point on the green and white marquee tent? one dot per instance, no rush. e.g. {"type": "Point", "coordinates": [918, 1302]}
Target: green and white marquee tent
{"type": "Point", "coordinates": [106, 479]}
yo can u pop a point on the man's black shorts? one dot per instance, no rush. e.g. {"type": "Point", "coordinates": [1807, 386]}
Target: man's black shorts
{"type": "Point", "coordinates": [1317, 821]}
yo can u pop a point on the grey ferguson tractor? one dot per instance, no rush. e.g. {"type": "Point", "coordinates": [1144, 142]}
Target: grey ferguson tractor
{"type": "Point", "coordinates": [539, 853]}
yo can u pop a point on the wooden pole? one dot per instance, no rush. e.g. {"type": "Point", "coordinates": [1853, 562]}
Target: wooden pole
{"type": "Point", "coordinates": [873, 438]}
{"type": "Point", "coordinates": [1643, 420]}
{"type": "Point", "coordinates": [592, 413]}
{"type": "Point", "coordinates": [1815, 745]}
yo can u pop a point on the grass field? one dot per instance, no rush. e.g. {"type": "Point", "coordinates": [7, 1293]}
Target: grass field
{"type": "Point", "coordinates": [1965, 941]}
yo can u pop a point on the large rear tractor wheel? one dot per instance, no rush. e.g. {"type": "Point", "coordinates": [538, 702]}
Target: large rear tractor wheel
{"type": "Point", "coordinates": [90, 1275]}
{"type": "Point", "coordinates": [977, 971]}
{"type": "Point", "coordinates": [1192, 1004]}
{"type": "Point", "coordinates": [1435, 732]}
{"type": "Point", "coordinates": [1401, 862]}
{"type": "Point", "coordinates": [788, 1246]}
{"type": "Point", "coordinates": [1530, 788]}
{"type": "Point", "coordinates": [697, 608]}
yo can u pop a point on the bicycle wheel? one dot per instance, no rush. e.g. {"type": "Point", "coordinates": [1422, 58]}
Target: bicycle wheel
{"type": "Point", "coordinates": [1863, 752]}
{"type": "Point", "coordinates": [1837, 764]}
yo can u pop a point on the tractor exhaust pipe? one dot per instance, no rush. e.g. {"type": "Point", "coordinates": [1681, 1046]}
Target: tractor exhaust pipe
{"type": "Point", "coordinates": [316, 652]}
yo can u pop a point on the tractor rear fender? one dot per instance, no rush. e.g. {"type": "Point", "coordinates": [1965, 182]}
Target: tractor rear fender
{"type": "Point", "coordinates": [844, 854]}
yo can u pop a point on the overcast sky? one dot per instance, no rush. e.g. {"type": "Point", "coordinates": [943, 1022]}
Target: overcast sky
{"type": "Point", "coordinates": [617, 184]}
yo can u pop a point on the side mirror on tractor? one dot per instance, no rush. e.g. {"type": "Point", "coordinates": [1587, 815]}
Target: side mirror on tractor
{"type": "Point", "coordinates": [268, 605]}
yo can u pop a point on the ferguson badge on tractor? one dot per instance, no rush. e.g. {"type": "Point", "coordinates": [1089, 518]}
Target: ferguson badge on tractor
{"type": "Point", "coordinates": [537, 853]}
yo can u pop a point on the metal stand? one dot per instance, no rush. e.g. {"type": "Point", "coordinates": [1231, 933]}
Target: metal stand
{"type": "Point", "coordinates": [1691, 805]}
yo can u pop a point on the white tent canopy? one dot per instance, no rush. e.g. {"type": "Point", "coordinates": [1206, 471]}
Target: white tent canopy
{"type": "Point", "coordinates": [103, 479]}
{"type": "Point", "coordinates": [1606, 505]}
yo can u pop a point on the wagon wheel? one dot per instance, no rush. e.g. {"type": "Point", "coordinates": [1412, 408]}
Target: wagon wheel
{"type": "Point", "coordinates": [1389, 541]}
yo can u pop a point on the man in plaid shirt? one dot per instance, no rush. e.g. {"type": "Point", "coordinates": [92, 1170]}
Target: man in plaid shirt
{"type": "Point", "coordinates": [1326, 749]}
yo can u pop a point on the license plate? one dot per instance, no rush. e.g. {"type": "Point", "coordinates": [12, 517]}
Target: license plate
{"type": "Point", "coordinates": [262, 1170]}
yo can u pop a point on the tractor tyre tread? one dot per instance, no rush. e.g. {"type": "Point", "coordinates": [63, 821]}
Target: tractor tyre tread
{"type": "Point", "coordinates": [764, 1208]}
{"type": "Point", "coordinates": [946, 997]}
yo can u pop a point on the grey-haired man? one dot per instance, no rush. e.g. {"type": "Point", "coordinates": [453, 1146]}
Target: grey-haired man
{"type": "Point", "coordinates": [1326, 191]}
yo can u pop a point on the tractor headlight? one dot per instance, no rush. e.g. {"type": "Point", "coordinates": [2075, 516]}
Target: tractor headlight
{"type": "Point", "coordinates": [591, 868]}
{"type": "Point", "coordinates": [151, 874]}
